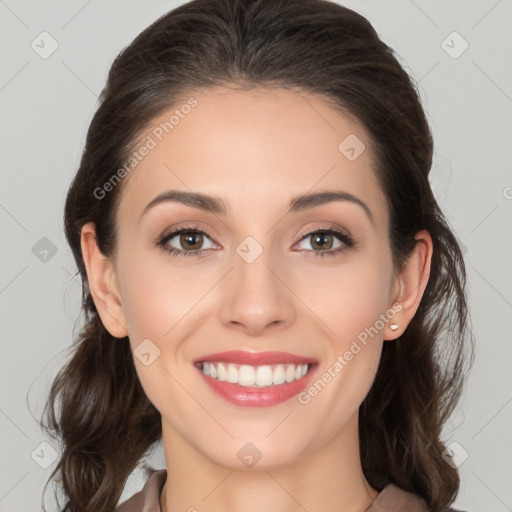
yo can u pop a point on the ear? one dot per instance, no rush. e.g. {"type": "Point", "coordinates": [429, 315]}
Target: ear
{"type": "Point", "coordinates": [103, 283]}
{"type": "Point", "coordinates": [411, 282]}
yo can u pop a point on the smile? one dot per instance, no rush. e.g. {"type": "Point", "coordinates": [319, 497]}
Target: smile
{"type": "Point", "coordinates": [255, 376]}
{"type": "Point", "coordinates": [256, 379]}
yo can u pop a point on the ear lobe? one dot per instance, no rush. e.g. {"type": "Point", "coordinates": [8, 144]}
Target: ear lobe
{"type": "Point", "coordinates": [103, 286]}
{"type": "Point", "coordinates": [412, 281]}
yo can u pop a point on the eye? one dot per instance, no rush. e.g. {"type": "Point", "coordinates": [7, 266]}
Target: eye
{"type": "Point", "coordinates": [191, 240]}
{"type": "Point", "coordinates": [325, 240]}
{"type": "Point", "coordinates": [329, 241]}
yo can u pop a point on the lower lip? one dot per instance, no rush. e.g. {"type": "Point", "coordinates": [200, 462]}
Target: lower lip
{"type": "Point", "coordinates": [258, 397]}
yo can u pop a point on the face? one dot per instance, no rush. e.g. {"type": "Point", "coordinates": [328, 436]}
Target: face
{"type": "Point", "coordinates": [261, 273]}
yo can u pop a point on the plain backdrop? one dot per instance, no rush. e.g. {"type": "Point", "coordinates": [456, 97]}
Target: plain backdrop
{"type": "Point", "coordinates": [47, 102]}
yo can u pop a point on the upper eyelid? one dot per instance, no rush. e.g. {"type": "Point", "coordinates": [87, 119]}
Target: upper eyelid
{"type": "Point", "coordinates": [177, 231]}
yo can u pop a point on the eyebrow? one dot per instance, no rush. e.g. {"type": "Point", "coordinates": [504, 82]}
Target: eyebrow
{"type": "Point", "coordinates": [216, 204]}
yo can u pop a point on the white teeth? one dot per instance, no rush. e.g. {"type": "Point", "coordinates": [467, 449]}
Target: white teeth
{"type": "Point", "coordinates": [264, 376]}
{"type": "Point", "coordinates": [279, 376]}
{"type": "Point", "coordinates": [221, 371]}
{"type": "Point", "coordinates": [232, 373]}
{"type": "Point", "coordinates": [255, 376]}
{"type": "Point", "coordinates": [246, 376]}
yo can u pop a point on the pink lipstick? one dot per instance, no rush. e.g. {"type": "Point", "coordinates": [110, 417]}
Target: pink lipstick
{"type": "Point", "coordinates": [256, 379]}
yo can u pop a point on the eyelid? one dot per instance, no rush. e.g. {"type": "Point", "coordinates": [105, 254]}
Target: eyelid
{"type": "Point", "coordinates": [325, 227]}
{"type": "Point", "coordinates": [185, 227]}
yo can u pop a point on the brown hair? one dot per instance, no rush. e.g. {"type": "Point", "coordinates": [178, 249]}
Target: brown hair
{"type": "Point", "coordinates": [105, 422]}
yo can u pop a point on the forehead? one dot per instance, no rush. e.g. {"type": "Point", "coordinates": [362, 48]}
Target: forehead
{"type": "Point", "coordinates": [248, 146]}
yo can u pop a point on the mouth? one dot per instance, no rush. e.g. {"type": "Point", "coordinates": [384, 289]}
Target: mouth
{"type": "Point", "coordinates": [254, 376]}
{"type": "Point", "coordinates": [252, 379]}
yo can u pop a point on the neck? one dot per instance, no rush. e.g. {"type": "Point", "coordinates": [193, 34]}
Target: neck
{"type": "Point", "coordinates": [328, 479]}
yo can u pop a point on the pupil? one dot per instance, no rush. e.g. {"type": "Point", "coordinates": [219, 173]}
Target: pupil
{"type": "Point", "coordinates": [188, 239]}
{"type": "Point", "coordinates": [320, 237]}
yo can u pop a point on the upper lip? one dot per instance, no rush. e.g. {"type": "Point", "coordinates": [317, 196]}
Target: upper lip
{"type": "Point", "coordinates": [255, 358]}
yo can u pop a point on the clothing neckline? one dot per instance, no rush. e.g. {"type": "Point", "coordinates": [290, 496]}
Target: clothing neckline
{"type": "Point", "coordinates": [390, 498]}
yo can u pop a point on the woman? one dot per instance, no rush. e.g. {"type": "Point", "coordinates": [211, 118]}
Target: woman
{"type": "Point", "coordinates": [269, 285]}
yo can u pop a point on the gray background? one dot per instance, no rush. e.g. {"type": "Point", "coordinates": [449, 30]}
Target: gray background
{"type": "Point", "coordinates": [46, 106]}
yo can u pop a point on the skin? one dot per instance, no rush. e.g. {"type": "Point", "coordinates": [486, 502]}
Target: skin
{"type": "Point", "coordinates": [256, 150]}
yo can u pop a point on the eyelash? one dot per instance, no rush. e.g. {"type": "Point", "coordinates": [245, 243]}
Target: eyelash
{"type": "Point", "coordinates": [347, 240]}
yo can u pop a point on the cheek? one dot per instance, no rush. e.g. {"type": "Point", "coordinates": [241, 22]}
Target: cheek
{"type": "Point", "coordinates": [350, 298]}
{"type": "Point", "coordinates": [157, 303]}
{"type": "Point", "coordinates": [156, 297]}
{"type": "Point", "coordinates": [351, 355]}
{"type": "Point", "coordinates": [353, 300]}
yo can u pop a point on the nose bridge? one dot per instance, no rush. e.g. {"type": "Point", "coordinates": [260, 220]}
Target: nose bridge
{"type": "Point", "coordinates": [254, 294]}
{"type": "Point", "coordinates": [254, 262]}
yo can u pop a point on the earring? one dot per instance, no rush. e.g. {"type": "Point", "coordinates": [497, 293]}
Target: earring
{"type": "Point", "coordinates": [393, 327]}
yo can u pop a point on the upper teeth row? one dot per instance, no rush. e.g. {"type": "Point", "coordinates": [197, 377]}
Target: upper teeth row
{"type": "Point", "coordinates": [260, 376]}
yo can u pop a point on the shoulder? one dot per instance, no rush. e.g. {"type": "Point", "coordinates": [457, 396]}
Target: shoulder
{"type": "Point", "coordinates": [393, 498]}
{"type": "Point", "coordinates": [148, 498]}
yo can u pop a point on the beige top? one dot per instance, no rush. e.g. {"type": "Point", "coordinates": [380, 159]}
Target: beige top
{"type": "Point", "coordinates": [390, 499]}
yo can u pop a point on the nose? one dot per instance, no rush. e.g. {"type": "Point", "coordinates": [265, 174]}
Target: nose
{"type": "Point", "coordinates": [255, 296]}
